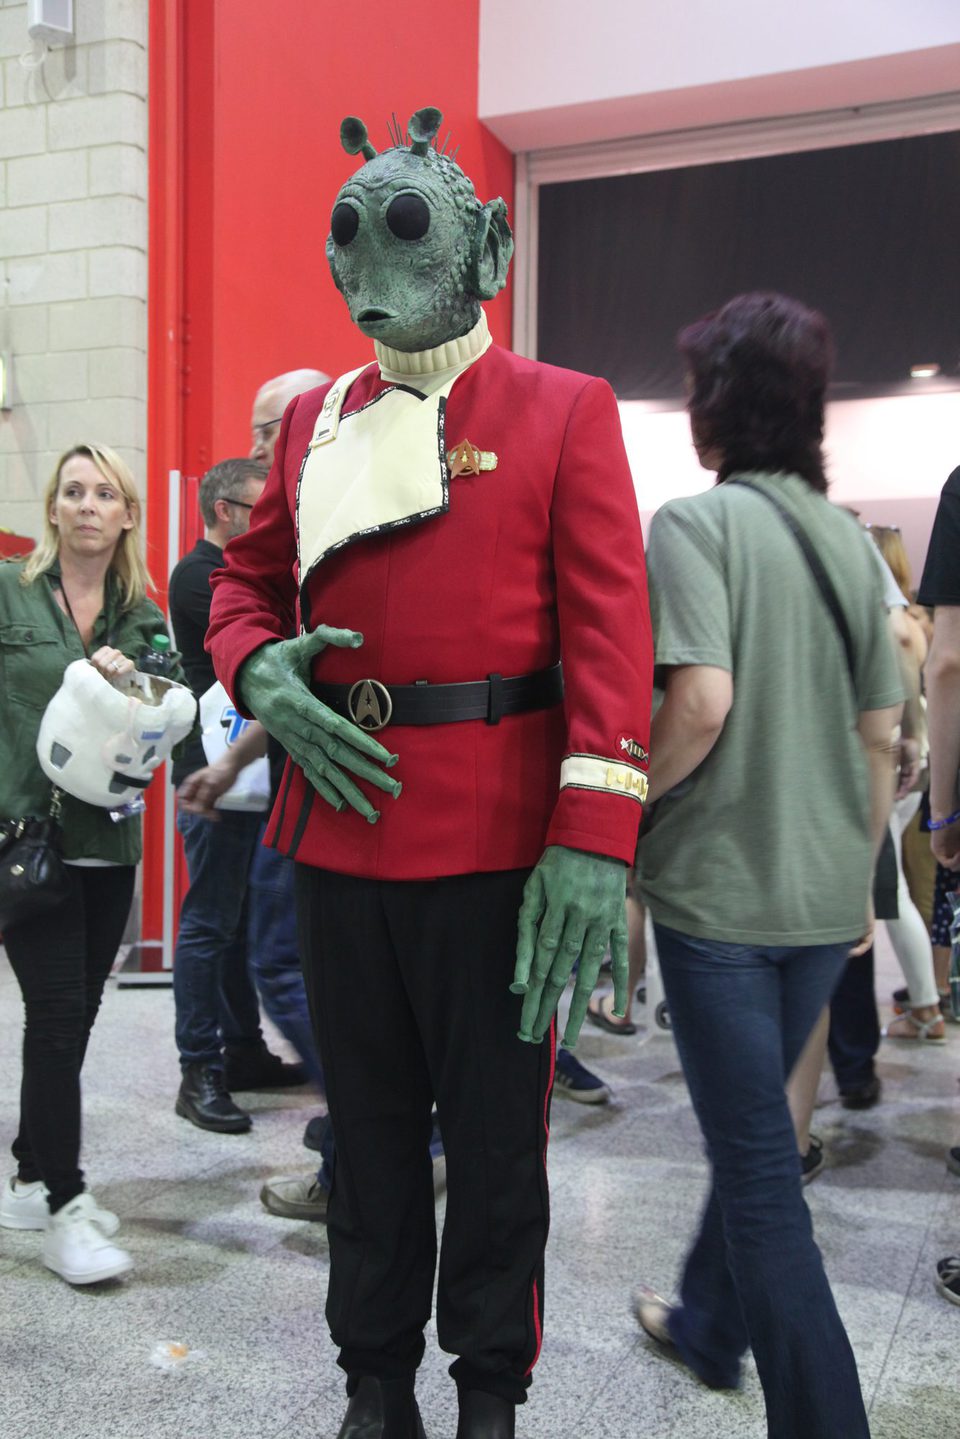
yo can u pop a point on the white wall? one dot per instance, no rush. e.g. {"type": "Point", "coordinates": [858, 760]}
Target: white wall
{"type": "Point", "coordinates": [73, 239]}
{"type": "Point", "coordinates": [559, 73]}
{"type": "Point", "coordinates": [888, 458]}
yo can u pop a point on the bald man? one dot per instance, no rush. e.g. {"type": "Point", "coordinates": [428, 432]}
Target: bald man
{"type": "Point", "coordinates": [292, 1196]}
{"type": "Point", "coordinates": [275, 956]}
{"type": "Point", "coordinates": [269, 403]}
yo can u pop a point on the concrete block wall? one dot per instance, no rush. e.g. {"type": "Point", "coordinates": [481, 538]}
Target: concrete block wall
{"type": "Point", "coordinates": [73, 246]}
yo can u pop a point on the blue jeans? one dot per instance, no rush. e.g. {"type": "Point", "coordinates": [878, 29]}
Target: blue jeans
{"type": "Point", "coordinates": [212, 942]}
{"type": "Point", "coordinates": [275, 954]}
{"type": "Point", "coordinates": [741, 1015]}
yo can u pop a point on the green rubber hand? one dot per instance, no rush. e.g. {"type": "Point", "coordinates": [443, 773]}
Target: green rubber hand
{"type": "Point", "coordinates": [574, 909]}
{"type": "Point", "coordinates": [274, 685]}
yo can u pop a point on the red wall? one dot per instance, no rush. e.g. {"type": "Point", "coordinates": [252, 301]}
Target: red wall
{"type": "Point", "coordinates": [267, 88]}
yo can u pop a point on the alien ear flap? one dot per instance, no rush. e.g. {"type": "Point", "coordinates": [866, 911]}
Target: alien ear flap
{"type": "Point", "coordinates": [492, 250]}
{"type": "Point", "coordinates": [354, 138]}
{"type": "Point", "coordinates": [423, 128]}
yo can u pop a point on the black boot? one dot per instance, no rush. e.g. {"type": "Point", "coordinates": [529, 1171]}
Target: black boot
{"type": "Point", "coordinates": [203, 1099]}
{"type": "Point", "coordinates": [251, 1065]}
{"type": "Point", "coordinates": [382, 1409]}
{"type": "Point", "coordinates": [485, 1416]}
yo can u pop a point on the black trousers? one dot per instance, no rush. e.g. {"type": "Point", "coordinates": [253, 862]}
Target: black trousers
{"type": "Point", "coordinates": [854, 1022]}
{"type": "Point", "coordinates": [408, 984]}
{"type": "Point", "coordinates": [61, 960]}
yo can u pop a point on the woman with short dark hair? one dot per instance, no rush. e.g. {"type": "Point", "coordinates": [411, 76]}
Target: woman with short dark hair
{"type": "Point", "coordinates": [771, 760]}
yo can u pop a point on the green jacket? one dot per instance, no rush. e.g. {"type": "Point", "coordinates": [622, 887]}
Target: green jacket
{"type": "Point", "coordinates": [37, 642]}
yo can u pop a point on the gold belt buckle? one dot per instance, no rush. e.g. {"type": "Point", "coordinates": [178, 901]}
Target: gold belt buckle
{"type": "Point", "coordinates": [369, 705]}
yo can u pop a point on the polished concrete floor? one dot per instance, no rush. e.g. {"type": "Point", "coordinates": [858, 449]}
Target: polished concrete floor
{"type": "Point", "coordinates": [244, 1291]}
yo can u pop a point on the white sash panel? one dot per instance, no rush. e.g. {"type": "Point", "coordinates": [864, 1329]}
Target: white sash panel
{"type": "Point", "coordinates": [370, 470]}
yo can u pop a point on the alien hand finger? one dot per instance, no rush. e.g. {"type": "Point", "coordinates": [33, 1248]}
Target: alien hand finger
{"type": "Point", "coordinates": [349, 759]}
{"type": "Point", "coordinates": [549, 1001]}
{"type": "Point", "coordinates": [315, 770]}
{"type": "Point", "coordinates": [354, 797]}
{"type": "Point", "coordinates": [328, 793]}
{"type": "Point", "coordinates": [304, 738]}
{"type": "Point", "coordinates": [351, 734]}
{"type": "Point", "coordinates": [317, 640]}
{"type": "Point", "coordinates": [620, 965]}
{"type": "Point", "coordinates": [528, 924]}
{"type": "Point", "coordinates": [531, 1008]}
{"type": "Point", "coordinates": [579, 1000]}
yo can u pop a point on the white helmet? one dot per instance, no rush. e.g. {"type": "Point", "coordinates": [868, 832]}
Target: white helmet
{"type": "Point", "coordinates": [102, 742]}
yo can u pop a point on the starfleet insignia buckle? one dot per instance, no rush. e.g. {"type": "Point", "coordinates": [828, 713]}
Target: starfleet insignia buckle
{"type": "Point", "coordinates": [466, 459]}
{"type": "Point", "coordinates": [370, 705]}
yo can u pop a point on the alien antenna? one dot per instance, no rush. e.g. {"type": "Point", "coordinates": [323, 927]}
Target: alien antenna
{"type": "Point", "coordinates": [354, 138]}
{"type": "Point", "coordinates": [423, 127]}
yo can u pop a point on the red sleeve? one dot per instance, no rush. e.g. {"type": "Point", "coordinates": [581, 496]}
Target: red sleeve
{"type": "Point", "coordinates": [605, 637]}
{"type": "Point", "coordinates": [254, 594]}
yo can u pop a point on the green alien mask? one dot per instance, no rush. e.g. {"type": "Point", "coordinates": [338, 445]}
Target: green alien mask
{"type": "Point", "coordinates": [411, 248]}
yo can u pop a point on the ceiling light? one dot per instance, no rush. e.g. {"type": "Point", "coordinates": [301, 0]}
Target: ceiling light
{"type": "Point", "coordinates": [924, 372]}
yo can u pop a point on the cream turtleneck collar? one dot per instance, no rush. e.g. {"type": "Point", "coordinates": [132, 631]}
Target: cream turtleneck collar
{"type": "Point", "coordinates": [428, 368]}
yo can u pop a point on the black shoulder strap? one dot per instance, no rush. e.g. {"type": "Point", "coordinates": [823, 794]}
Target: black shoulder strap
{"type": "Point", "coordinates": [823, 580]}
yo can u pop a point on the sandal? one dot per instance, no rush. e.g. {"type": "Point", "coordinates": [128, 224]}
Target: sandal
{"type": "Point", "coordinates": [900, 1001]}
{"type": "Point", "coordinates": [908, 1026]}
{"type": "Point", "coordinates": [603, 1020]}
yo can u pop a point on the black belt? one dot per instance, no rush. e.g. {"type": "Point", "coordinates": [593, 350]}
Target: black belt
{"type": "Point", "coordinates": [373, 705]}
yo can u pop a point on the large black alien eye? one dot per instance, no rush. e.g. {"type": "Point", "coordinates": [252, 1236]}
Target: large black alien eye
{"type": "Point", "coordinates": [408, 217]}
{"type": "Point", "coordinates": [344, 223]}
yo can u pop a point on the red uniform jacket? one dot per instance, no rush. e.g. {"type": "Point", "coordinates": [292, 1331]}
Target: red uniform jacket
{"type": "Point", "coordinates": [536, 560]}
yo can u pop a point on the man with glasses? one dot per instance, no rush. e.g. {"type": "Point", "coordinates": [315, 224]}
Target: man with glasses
{"type": "Point", "coordinates": [277, 963]}
{"type": "Point", "coordinates": [269, 403]}
{"type": "Point", "coordinates": [218, 1030]}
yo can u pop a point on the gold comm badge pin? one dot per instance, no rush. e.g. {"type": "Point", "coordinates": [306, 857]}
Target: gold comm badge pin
{"type": "Point", "coordinates": [466, 459]}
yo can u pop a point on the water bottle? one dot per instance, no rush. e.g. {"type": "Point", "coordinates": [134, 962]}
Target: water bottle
{"type": "Point", "coordinates": [160, 658]}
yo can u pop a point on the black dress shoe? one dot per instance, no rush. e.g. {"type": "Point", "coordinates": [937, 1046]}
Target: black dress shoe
{"type": "Point", "coordinates": [382, 1409]}
{"type": "Point", "coordinates": [861, 1096]}
{"type": "Point", "coordinates": [485, 1416]}
{"type": "Point", "coordinates": [316, 1131]}
{"type": "Point", "coordinates": [203, 1099]}
{"type": "Point", "coordinates": [252, 1066]}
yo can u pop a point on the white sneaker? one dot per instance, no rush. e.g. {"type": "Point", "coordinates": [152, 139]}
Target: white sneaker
{"type": "Point", "coordinates": [24, 1206]}
{"type": "Point", "coordinates": [76, 1248]}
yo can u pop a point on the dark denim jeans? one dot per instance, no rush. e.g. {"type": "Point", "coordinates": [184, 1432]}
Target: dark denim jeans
{"type": "Point", "coordinates": [275, 954]}
{"type": "Point", "coordinates": [212, 942]}
{"type": "Point", "coordinates": [741, 1015]}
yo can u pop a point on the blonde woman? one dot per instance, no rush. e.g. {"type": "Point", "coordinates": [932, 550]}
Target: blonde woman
{"type": "Point", "coordinates": [81, 592]}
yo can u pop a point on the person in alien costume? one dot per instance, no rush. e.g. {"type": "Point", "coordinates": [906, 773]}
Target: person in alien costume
{"type": "Point", "coordinates": [444, 525]}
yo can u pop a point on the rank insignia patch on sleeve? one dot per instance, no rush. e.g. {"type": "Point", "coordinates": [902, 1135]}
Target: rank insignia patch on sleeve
{"type": "Point", "coordinates": [632, 751]}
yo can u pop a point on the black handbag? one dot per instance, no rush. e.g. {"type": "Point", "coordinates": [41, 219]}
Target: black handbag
{"type": "Point", "coordinates": [33, 875]}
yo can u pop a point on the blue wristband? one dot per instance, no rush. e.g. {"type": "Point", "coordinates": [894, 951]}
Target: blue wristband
{"type": "Point", "coordinates": [944, 823]}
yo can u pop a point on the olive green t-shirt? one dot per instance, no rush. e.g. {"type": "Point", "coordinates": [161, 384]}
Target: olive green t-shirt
{"type": "Point", "coordinates": [768, 842]}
